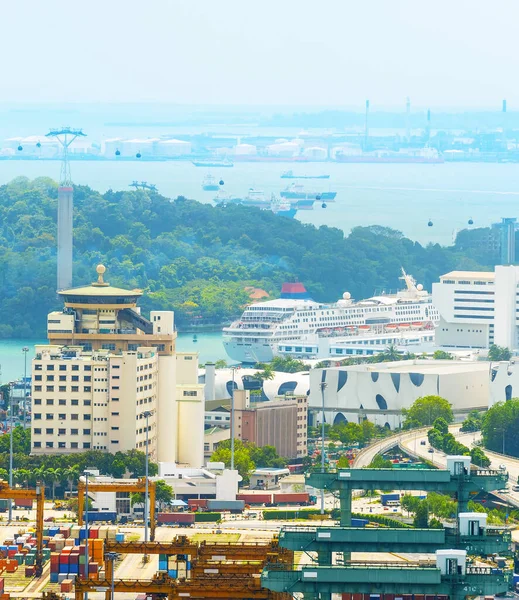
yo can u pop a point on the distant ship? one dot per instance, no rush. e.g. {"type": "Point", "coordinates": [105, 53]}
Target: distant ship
{"type": "Point", "coordinates": [257, 199]}
{"type": "Point", "coordinates": [290, 175]}
{"type": "Point", "coordinates": [210, 184]}
{"type": "Point", "coordinates": [213, 163]}
{"type": "Point", "coordinates": [305, 198]}
{"type": "Point", "coordinates": [421, 155]}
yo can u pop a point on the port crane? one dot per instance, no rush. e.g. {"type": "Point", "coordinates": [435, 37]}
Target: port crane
{"type": "Point", "coordinates": [37, 494]}
{"type": "Point", "coordinates": [138, 486]}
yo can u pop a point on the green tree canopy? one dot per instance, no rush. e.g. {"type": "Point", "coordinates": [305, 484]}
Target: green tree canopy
{"type": "Point", "coordinates": [499, 353]}
{"type": "Point", "coordinates": [427, 409]}
{"type": "Point", "coordinates": [500, 426]}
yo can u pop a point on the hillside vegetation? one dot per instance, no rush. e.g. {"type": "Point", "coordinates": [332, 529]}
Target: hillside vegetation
{"type": "Point", "coordinates": [191, 257]}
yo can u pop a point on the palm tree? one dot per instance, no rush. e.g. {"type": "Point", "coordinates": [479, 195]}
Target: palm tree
{"type": "Point", "coordinates": [391, 354]}
{"type": "Point", "coordinates": [4, 474]}
{"type": "Point", "coordinates": [266, 374]}
{"type": "Point", "coordinates": [51, 477]}
{"type": "Point", "coordinates": [72, 476]}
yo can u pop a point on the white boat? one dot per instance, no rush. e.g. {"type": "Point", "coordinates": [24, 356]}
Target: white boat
{"type": "Point", "coordinates": [296, 321]}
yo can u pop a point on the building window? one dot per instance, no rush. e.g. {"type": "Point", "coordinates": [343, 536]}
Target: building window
{"type": "Point", "coordinates": [86, 431]}
{"type": "Point", "coordinates": [115, 428]}
{"type": "Point", "coordinates": [74, 445]}
{"type": "Point", "coordinates": [37, 431]}
{"type": "Point", "coordinates": [37, 378]}
{"type": "Point", "coordinates": [75, 377]}
{"type": "Point", "coordinates": [37, 416]}
{"type": "Point", "coordinates": [86, 417]}
{"type": "Point", "coordinates": [37, 388]}
{"type": "Point", "coordinates": [115, 399]}
{"type": "Point", "coordinates": [74, 402]}
{"type": "Point", "coordinates": [50, 377]}
{"type": "Point", "coordinates": [87, 378]}
{"type": "Point", "coordinates": [74, 431]}
{"type": "Point", "coordinates": [63, 367]}
{"type": "Point", "coordinates": [115, 441]}
{"type": "Point", "coordinates": [62, 388]}
{"type": "Point", "coordinates": [62, 432]}
{"type": "Point", "coordinates": [50, 388]}
{"type": "Point", "coordinates": [75, 367]}
{"type": "Point", "coordinates": [115, 387]}
{"type": "Point", "coordinates": [49, 401]}
{"type": "Point", "coordinates": [115, 414]}
{"type": "Point", "coordinates": [108, 346]}
{"type": "Point", "coordinates": [62, 416]}
{"type": "Point", "coordinates": [88, 368]}
{"type": "Point", "coordinates": [87, 402]}
{"type": "Point", "coordinates": [63, 378]}
{"type": "Point", "coordinates": [74, 417]}
{"type": "Point", "coordinates": [37, 401]}
{"type": "Point", "coordinates": [189, 393]}
{"type": "Point", "coordinates": [86, 445]}
{"type": "Point", "coordinates": [62, 402]}
{"type": "Point", "coordinates": [49, 416]}
{"type": "Point", "coordinates": [75, 388]}
{"type": "Point", "coordinates": [50, 367]}
{"type": "Point", "coordinates": [87, 388]}
{"type": "Point", "coordinates": [49, 431]}
{"type": "Point", "coordinates": [61, 445]}
{"type": "Point", "coordinates": [37, 444]}
{"type": "Point", "coordinates": [49, 444]}
{"type": "Point", "coordinates": [37, 367]}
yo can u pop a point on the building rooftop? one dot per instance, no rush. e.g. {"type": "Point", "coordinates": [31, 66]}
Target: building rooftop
{"type": "Point", "coordinates": [438, 367]}
{"type": "Point", "coordinates": [100, 288]}
{"type": "Point", "coordinates": [480, 275]}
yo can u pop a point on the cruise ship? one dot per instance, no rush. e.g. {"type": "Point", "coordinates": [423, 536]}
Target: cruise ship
{"type": "Point", "coordinates": [295, 321]}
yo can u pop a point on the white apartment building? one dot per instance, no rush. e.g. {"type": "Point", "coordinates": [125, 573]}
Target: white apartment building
{"type": "Point", "coordinates": [478, 309]}
{"type": "Point", "coordinates": [109, 377]}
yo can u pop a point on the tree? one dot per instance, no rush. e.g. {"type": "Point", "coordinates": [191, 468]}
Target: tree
{"type": "Point", "coordinates": [498, 353]}
{"type": "Point", "coordinates": [265, 456]}
{"type": "Point", "coordinates": [441, 425]}
{"type": "Point", "coordinates": [288, 364]}
{"type": "Point", "coordinates": [479, 458]}
{"type": "Point", "coordinates": [427, 409]}
{"type": "Point", "coordinates": [435, 439]}
{"type": "Point", "coordinates": [265, 374]}
{"type": "Point", "coordinates": [163, 492]}
{"type": "Point", "coordinates": [473, 422]}
{"type": "Point", "coordinates": [242, 460]}
{"type": "Point", "coordinates": [421, 517]}
{"type": "Point", "coordinates": [343, 462]}
{"type": "Point", "coordinates": [409, 503]}
{"type": "Point", "coordinates": [379, 462]}
{"type": "Point", "coordinates": [220, 364]}
{"type": "Point", "coordinates": [499, 427]}
{"type": "Point", "coordinates": [442, 355]}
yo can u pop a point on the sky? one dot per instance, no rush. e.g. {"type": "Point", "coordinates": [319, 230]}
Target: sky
{"type": "Point", "coordinates": [446, 53]}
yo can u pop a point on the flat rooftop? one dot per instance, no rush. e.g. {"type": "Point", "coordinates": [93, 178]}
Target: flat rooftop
{"type": "Point", "coordinates": [479, 275]}
{"type": "Point", "coordinates": [438, 367]}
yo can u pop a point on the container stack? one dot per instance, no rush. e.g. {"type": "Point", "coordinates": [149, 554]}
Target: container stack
{"type": "Point", "coordinates": [168, 564]}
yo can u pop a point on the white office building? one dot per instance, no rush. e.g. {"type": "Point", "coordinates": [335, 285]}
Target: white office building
{"type": "Point", "coordinates": [478, 309]}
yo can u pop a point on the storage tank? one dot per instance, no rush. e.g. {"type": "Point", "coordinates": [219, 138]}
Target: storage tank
{"type": "Point", "coordinates": [245, 150]}
{"type": "Point", "coordinates": [173, 148]}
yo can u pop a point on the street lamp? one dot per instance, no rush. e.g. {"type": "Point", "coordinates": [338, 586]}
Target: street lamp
{"type": "Point", "coordinates": [11, 448]}
{"type": "Point", "coordinates": [146, 414]}
{"type": "Point", "coordinates": [112, 557]}
{"type": "Point", "coordinates": [233, 369]}
{"type": "Point", "coordinates": [25, 350]}
{"type": "Point", "coordinates": [87, 568]}
{"type": "Point", "coordinates": [323, 387]}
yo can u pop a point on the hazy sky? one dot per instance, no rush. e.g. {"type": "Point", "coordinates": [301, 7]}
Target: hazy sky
{"type": "Point", "coordinates": [298, 52]}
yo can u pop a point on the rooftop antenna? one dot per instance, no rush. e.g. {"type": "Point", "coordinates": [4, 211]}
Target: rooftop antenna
{"type": "Point", "coordinates": [65, 136]}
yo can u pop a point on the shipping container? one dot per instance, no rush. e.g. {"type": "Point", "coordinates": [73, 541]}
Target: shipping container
{"type": "Point", "coordinates": [197, 503]}
{"type": "Point", "coordinates": [232, 505]}
{"type": "Point", "coordinates": [301, 499]}
{"type": "Point", "coordinates": [385, 498]}
{"type": "Point", "coordinates": [23, 503]}
{"type": "Point", "coordinates": [100, 516]}
{"type": "Point", "coordinates": [186, 518]}
{"type": "Point", "coordinates": [359, 522]}
{"type": "Point", "coordinates": [255, 498]}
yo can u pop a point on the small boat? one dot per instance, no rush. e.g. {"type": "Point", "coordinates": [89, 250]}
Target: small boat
{"type": "Point", "coordinates": [195, 338]}
{"type": "Point", "coordinates": [210, 183]}
{"type": "Point", "coordinates": [290, 175]}
{"type": "Point", "coordinates": [213, 163]}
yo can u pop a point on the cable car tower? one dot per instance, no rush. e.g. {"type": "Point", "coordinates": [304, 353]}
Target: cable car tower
{"type": "Point", "coordinates": [65, 137]}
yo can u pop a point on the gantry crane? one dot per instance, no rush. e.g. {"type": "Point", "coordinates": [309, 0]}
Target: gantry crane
{"type": "Point", "coordinates": [208, 587]}
{"type": "Point", "coordinates": [38, 494]}
{"type": "Point", "coordinates": [117, 486]}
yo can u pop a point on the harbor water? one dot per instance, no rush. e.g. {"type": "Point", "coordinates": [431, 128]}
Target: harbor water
{"type": "Point", "coordinates": [401, 196]}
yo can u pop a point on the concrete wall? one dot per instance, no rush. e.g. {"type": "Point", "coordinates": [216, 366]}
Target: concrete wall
{"type": "Point", "coordinates": [167, 418]}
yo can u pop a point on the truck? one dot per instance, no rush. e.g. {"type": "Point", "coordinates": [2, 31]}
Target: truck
{"type": "Point", "coordinates": [230, 505]}
{"type": "Point", "coordinates": [23, 503]}
{"type": "Point", "coordinates": [186, 519]}
{"type": "Point", "coordinates": [302, 499]}
{"type": "Point", "coordinates": [100, 516]}
{"type": "Point", "coordinates": [197, 503]}
{"type": "Point", "coordinates": [385, 498]}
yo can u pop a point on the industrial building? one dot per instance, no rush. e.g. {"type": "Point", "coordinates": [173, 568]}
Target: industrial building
{"type": "Point", "coordinates": [478, 309]}
{"type": "Point", "coordinates": [380, 391]}
{"type": "Point", "coordinates": [109, 379]}
{"type": "Point", "coordinates": [281, 423]}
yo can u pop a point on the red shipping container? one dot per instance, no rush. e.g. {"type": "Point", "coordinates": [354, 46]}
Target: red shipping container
{"type": "Point", "coordinates": [292, 498]}
{"type": "Point", "coordinates": [197, 503]}
{"type": "Point", "coordinates": [23, 503]}
{"type": "Point", "coordinates": [255, 498]}
{"type": "Point", "coordinates": [93, 567]}
{"type": "Point", "coordinates": [174, 518]}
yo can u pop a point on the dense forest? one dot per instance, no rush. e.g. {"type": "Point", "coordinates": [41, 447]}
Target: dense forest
{"type": "Point", "coordinates": [195, 258]}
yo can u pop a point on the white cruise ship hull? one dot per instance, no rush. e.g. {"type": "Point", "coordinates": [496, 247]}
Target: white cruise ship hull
{"type": "Point", "coordinates": [250, 353]}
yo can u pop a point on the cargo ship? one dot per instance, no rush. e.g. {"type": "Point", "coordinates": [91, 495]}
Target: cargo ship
{"type": "Point", "coordinates": [210, 184]}
{"type": "Point", "coordinates": [290, 175]}
{"type": "Point", "coordinates": [258, 199]}
{"type": "Point", "coordinates": [306, 199]}
{"type": "Point", "coordinates": [213, 163]}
